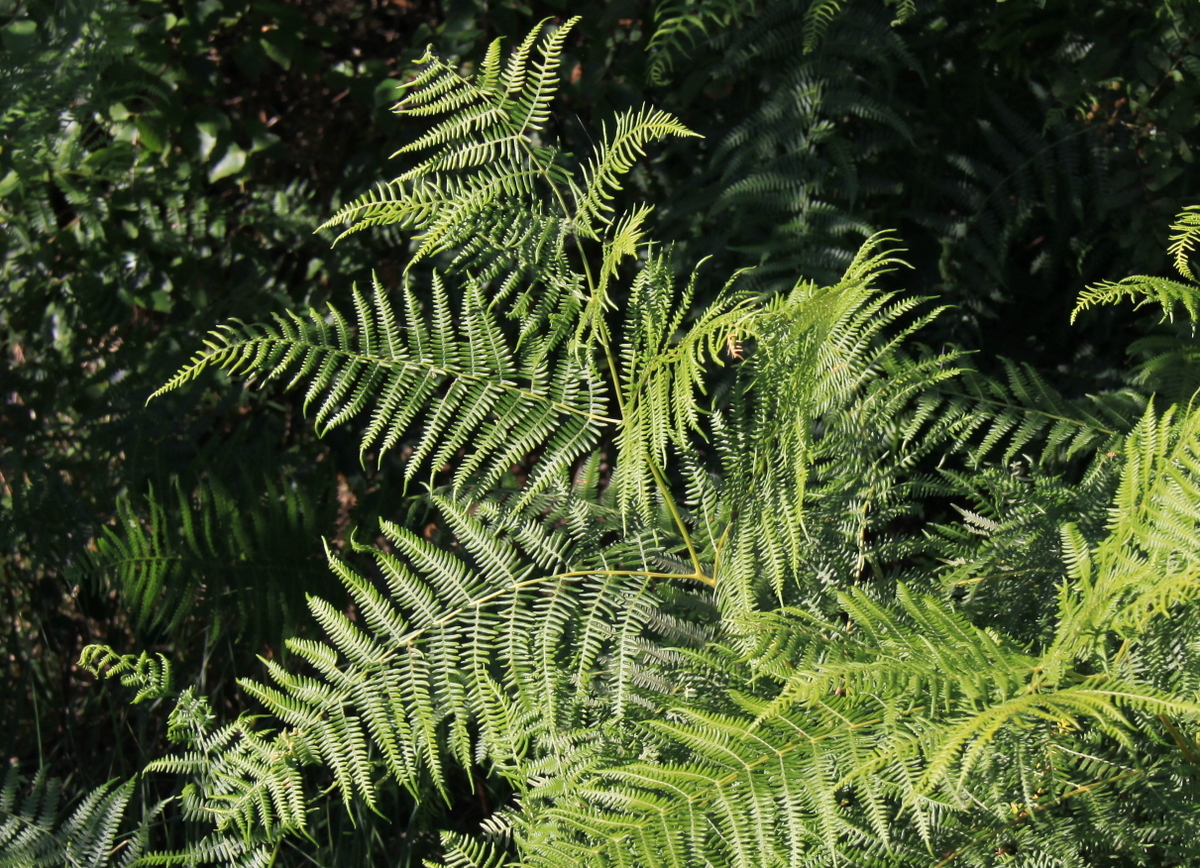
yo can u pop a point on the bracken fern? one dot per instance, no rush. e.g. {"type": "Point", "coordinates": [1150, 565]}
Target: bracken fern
{"type": "Point", "coordinates": [701, 630]}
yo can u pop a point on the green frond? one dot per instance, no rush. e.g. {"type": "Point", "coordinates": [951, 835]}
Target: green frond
{"type": "Point", "coordinates": [1144, 290]}
{"type": "Point", "coordinates": [179, 557]}
{"type": "Point", "coordinates": [1025, 414]}
{"type": "Point", "coordinates": [459, 851]}
{"type": "Point", "coordinates": [243, 781]}
{"type": "Point", "coordinates": [617, 154]}
{"type": "Point", "coordinates": [150, 675]}
{"type": "Point", "coordinates": [665, 372]}
{"type": "Point", "coordinates": [680, 24]}
{"type": "Point", "coordinates": [1187, 231]}
{"type": "Point", "coordinates": [34, 834]}
{"type": "Point", "coordinates": [817, 19]}
{"type": "Point", "coordinates": [459, 375]}
{"type": "Point", "coordinates": [820, 357]}
{"type": "Point", "coordinates": [1149, 562]}
{"type": "Point", "coordinates": [483, 153]}
{"type": "Point", "coordinates": [216, 849]}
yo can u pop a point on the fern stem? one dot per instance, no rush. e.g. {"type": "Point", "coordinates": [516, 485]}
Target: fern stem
{"type": "Point", "coordinates": [1186, 746]}
{"type": "Point", "coordinates": [679, 523]}
{"type": "Point", "coordinates": [719, 548]}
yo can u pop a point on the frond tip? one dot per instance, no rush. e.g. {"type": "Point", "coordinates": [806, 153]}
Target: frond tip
{"type": "Point", "coordinates": [150, 675]}
{"type": "Point", "coordinates": [1146, 289]}
{"type": "Point", "coordinates": [1186, 229]}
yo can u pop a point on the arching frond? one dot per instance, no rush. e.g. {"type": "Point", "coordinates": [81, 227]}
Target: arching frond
{"type": "Point", "coordinates": [616, 156]}
{"type": "Point", "coordinates": [816, 20]}
{"type": "Point", "coordinates": [1144, 290]}
{"type": "Point", "coordinates": [458, 375]}
{"type": "Point", "coordinates": [1025, 414]}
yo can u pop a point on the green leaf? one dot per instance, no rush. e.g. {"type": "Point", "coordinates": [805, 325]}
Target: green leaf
{"type": "Point", "coordinates": [231, 162]}
{"type": "Point", "coordinates": [280, 46]}
{"type": "Point", "coordinates": [11, 181]}
{"type": "Point", "coordinates": [21, 36]}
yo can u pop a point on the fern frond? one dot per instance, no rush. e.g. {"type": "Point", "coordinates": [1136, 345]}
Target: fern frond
{"type": "Point", "coordinates": [817, 19]}
{"type": "Point", "coordinates": [244, 781]}
{"type": "Point", "coordinates": [1025, 413]}
{"type": "Point", "coordinates": [459, 851]}
{"type": "Point", "coordinates": [1149, 562]}
{"type": "Point", "coordinates": [33, 835]}
{"type": "Point", "coordinates": [457, 642]}
{"type": "Point", "coordinates": [680, 24]}
{"type": "Point", "coordinates": [1144, 290]}
{"type": "Point", "coordinates": [665, 372]}
{"type": "Point", "coordinates": [463, 380]}
{"type": "Point", "coordinates": [1187, 232]}
{"type": "Point", "coordinates": [616, 156]}
{"type": "Point", "coordinates": [483, 152]}
{"type": "Point", "coordinates": [179, 557]}
{"type": "Point", "coordinates": [817, 352]}
{"type": "Point", "coordinates": [151, 677]}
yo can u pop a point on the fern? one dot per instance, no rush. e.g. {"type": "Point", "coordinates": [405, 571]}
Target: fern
{"type": "Point", "coordinates": [1146, 289]}
{"type": "Point", "coordinates": [709, 626]}
{"type": "Point", "coordinates": [616, 156]}
{"type": "Point", "coordinates": [190, 553]}
{"type": "Point", "coordinates": [33, 834]}
{"type": "Point", "coordinates": [1025, 414]}
{"type": "Point", "coordinates": [796, 144]}
{"type": "Point", "coordinates": [150, 675]}
{"type": "Point", "coordinates": [680, 24]}
{"type": "Point", "coordinates": [467, 383]}
{"type": "Point", "coordinates": [1187, 230]}
{"type": "Point", "coordinates": [489, 141]}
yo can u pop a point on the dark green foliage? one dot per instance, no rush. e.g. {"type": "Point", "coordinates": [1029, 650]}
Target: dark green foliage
{"type": "Point", "coordinates": [230, 563]}
{"type": "Point", "coordinates": [31, 833]}
{"type": "Point", "coordinates": [1022, 150]}
{"type": "Point", "coordinates": [152, 177]}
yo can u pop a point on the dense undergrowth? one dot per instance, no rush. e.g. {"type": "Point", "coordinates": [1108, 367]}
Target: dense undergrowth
{"type": "Point", "coordinates": [673, 513]}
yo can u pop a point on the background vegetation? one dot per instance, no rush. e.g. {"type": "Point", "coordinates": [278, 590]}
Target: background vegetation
{"type": "Point", "coordinates": [164, 165]}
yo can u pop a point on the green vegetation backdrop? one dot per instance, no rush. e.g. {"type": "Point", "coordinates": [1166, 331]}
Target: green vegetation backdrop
{"type": "Point", "coordinates": [727, 439]}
